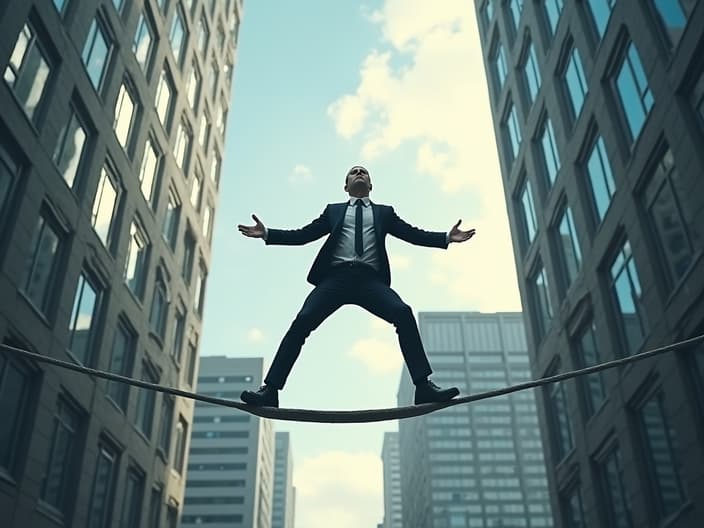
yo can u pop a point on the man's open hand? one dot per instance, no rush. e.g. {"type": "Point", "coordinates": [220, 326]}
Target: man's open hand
{"type": "Point", "coordinates": [255, 231]}
{"type": "Point", "coordinates": [457, 235]}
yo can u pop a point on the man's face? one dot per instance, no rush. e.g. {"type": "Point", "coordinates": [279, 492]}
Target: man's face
{"type": "Point", "coordinates": [358, 180]}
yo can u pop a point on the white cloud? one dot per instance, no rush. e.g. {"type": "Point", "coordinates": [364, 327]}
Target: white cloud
{"type": "Point", "coordinates": [300, 174]}
{"type": "Point", "coordinates": [377, 355]}
{"type": "Point", "coordinates": [255, 335]}
{"type": "Point", "coordinates": [328, 483]}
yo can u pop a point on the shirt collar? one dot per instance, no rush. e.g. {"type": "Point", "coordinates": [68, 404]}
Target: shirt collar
{"type": "Point", "coordinates": [365, 200]}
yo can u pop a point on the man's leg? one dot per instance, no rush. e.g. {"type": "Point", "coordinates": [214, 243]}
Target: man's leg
{"type": "Point", "coordinates": [325, 298]}
{"type": "Point", "coordinates": [378, 298]}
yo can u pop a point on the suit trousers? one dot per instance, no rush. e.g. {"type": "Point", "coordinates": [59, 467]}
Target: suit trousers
{"type": "Point", "coordinates": [350, 284]}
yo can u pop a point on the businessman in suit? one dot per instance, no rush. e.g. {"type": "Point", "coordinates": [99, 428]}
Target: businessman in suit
{"type": "Point", "coordinates": [352, 267]}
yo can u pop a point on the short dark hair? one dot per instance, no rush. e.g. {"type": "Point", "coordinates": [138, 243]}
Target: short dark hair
{"type": "Point", "coordinates": [353, 167]}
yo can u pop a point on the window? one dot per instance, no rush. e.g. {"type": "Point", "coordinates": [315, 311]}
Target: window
{"type": "Point", "coordinates": [136, 259]}
{"type": "Point", "coordinates": [626, 291]}
{"type": "Point", "coordinates": [553, 10]}
{"type": "Point", "coordinates": [162, 4]}
{"type": "Point", "coordinates": [575, 83]}
{"type": "Point", "coordinates": [148, 172]}
{"type": "Point", "coordinates": [215, 169]}
{"type": "Point", "coordinates": [178, 330]}
{"type": "Point", "coordinates": [28, 71]}
{"type": "Point", "coordinates": [193, 357]}
{"type": "Point", "coordinates": [669, 219]}
{"type": "Point", "coordinates": [221, 35]}
{"type": "Point", "coordinates": [15, 391]}
{"type": "Point", "coordinates": [204, 131]}
{"type": "Point", "coordinates": [531, 72]}
{"type": "Point", "coordinates": [194, 86]}
{"type": "Point", "coordinates": [601, 179]}
{"type": "Point", "coordinates": [513, 132]}
{"type": "Point", "coordinates": [61, 469]}
{"type": "Point", "coordinates": [591, 386]}
{"type": "Point", "coordinates": [516, 8]}
{"type": "Point", "coordinates": [155, 506]}
{"type": "Point", "coordinates": [551, 156]}
{"type": "Point", "coordinates": [180, 447]}
{"type": "Point", "coordinates": [196, 187]}
{"type": "Point", "coordinates": [182, 149]}
{"type": "Point", "coordinates": [213, 78]}
{"type": "Point", "coordinates": [573, 509]}
{"type": "Point", "coordinates": [189, 250]}
{"type": "Point", "coordinates": [203, 34]}
{"type": "Point", "coordinates": [171, 219]}
{"type": "Point", "coordinates": [530, 220]}
{"type": "Point", "coordinates": [125, 114]}
{"type": "Point", "coordinates": [119, 4]}
{"type": "Point", "coordinates": [69, 148]}
{"type": "Point", "coordinates": [143, 44]}
{"type": "Point", "coordinates": [487, 13]}
{"type": "Point", "coordinates": [601, 13]}
{"type": "Point", "coordinates": [9, 173]}
{"type": "Point", "coordinates": [144, 417]}
{"type": "Point", "coordinates": [498, 61]}
{"type": "Point", "coordinates": [663, 456]}
{"type": "Point", "coordinates": [164, 96]}
{"type": "Point", "coordinates": [633, 92]}
{"type": "Point", "coordinates": [199, 296]}
{"type": "Point", "coordinates": [541, 301]}
{"type": "Point", "coordinates": [96, 53]}
{"type": "Point", "coordinates": [42, 263]}
{"type": "Point", "coordinates": [172, 516]}
{"type": "Point", "coordinates": [221, 117]}
{"type": "Point", "coordinates": [106, 469]}
{"type": "Point", "coordinates": [568, 246]}
{"type": "Point", "coordinates": [673, 16]}
{"type": "Point", "coordinates": [121, 358]}
{"type": "Point", "coordinates": [178, 36]}
{"type": "Point", "coordinates": [697, 97]}
{"type": "Point", "coordinates": [167, 411]}
{"type": "Point", "coordinates": [160, 306]}
{"type": "Point", "coordinates": [86, 304]}
{"type": "Point", "coordinates": [132, 502]}
{"type": "Point", "coordinates": [208, 214]}
{"type": "Point", "coordinates": [560, 423]}
{"type": "Point", "coordinates": [614, 490]}
{"type": "Point", "coordinates": [104, 206]}
{"type": "Point", "coordinates": [60, 6]}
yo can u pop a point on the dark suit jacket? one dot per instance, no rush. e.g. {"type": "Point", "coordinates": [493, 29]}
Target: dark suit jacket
{"type": "Point", "coordinates": [386, 221]}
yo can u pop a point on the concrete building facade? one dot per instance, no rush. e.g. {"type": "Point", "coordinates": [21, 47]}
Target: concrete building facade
{"type": "Point", "coordinates": [230, 478]}
{"type": "Point", "coordinates": [284, 510]}
{"type": "Point", "coordinates": [598, 110]}
{"type": "Point", "coordinates": [391, 462]}
{"type": "Point", "coordinates": [111, 139]}
{"type": "Point", "coordinates": [479, 465]}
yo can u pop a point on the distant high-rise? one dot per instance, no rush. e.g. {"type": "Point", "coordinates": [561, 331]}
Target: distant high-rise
{"type": "Point", "coordinates": [284, 509]}
{"type": "Point", "coordinates": [598, 110]}
{"type": "Point", "coordinates": [479, 465]}
{"type": "Point", "coordinates": [230, 478]}
{"type": "Point", "coordinates": [112, 127]}
{"type": "Point", "coordinates": [391, 462]}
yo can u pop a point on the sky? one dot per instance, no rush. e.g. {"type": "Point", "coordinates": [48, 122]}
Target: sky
{"type": "Point", "coordinates": [399, 87]}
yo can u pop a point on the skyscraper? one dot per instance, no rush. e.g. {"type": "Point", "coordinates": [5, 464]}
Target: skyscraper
{"type": "Point", "coordinates": [231, 459]}
{"type": "Point", "coordinates": [391, 462]}
{"type": "Point", "coordinates": [479, 465]}
{"type": "Point", "coordinates": [111, 139]}
{"type": "Point", "coordinates": [598, 112]}
{"type": "Point", "coordinates": [284, 509]}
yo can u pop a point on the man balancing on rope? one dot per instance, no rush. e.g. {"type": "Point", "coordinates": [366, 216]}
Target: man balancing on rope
{"type": "Point", "coordinates": [352, 267]}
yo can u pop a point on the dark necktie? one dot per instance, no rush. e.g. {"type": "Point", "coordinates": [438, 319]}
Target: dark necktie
{"type": "Point", "coordinates": [358, 228]}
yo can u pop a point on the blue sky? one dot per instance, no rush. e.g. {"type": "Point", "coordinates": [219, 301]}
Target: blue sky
{"type": "Point", "coordinates": [396, 85]}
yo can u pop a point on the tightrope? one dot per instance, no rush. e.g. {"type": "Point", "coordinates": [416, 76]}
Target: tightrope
{"type": "Point", "coordinates": [362, 416]}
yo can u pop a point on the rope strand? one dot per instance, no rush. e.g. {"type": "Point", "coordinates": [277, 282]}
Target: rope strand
{"type": "Point", "coordinates": [362, 416]}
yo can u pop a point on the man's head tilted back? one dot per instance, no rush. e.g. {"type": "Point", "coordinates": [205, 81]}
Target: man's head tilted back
{"type": "Point", "coordinates": [357, 182]}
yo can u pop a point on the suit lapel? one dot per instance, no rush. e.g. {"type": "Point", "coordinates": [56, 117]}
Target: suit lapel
{"type": "Point", "coordinates": [340, 210]}
{"type": "Point", "coordinates": [376, 211]}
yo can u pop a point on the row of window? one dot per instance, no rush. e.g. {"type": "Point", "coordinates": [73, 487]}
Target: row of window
{"type": "Point", "coordinates": [661, 464]}
{"type": "Point", "coordinates": [64, 461]}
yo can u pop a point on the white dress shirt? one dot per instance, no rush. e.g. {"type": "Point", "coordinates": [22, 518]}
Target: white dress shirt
{"type": "Point", "coordinates": [344, 252]}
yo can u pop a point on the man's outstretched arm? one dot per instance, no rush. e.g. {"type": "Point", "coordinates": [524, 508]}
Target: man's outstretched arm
{"type": "Point", "coordinates": [419, 237]}
{"type": "Point", "coordinates": [288, 237]}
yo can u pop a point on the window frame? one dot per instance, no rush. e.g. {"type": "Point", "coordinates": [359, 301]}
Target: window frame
{"type": "Point", "coordinates": [101, 26]}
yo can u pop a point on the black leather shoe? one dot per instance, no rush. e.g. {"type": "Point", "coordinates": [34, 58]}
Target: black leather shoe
{"type": "Point", "coordinates": [265, 397]}
{"type": "Point", "coordinates": [428, 392]}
